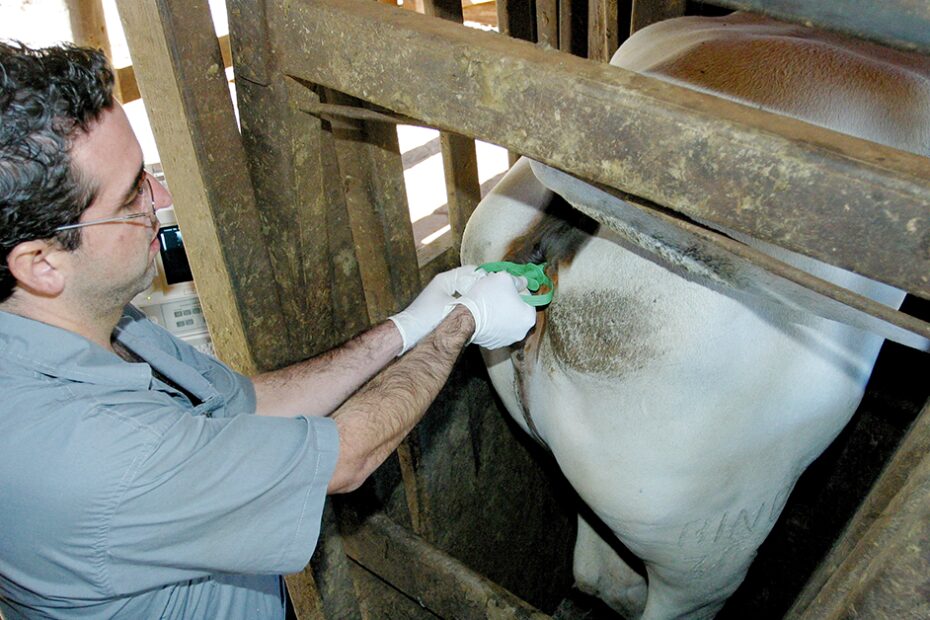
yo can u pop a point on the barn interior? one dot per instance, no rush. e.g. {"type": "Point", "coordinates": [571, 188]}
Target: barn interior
{"type": "Point", "coordinates": [295, 212]}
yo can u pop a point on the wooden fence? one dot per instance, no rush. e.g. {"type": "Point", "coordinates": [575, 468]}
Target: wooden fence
{"type": "Point", "coordinates": [299, 235]}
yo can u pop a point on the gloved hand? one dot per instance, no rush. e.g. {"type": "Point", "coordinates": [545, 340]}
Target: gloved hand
{"type": "Point", "coordinates": [433, 303]}
{"type": "Point", "coordinates": [501, 317]}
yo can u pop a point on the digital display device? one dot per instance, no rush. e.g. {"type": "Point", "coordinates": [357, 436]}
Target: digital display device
{"type": "Point", "coordinates": [173, 258]}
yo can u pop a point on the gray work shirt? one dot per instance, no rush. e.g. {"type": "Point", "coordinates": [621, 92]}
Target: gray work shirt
{"type": "Point", "coordinates": [124, 497]}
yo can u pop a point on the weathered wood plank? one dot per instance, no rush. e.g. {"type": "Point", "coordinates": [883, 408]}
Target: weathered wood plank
{"type": "Point", "coordinates": [881, 564]}
{"type": "Point", "coordinates": [89, 29]}
{"type": "Point", "coordinates": [373, 179]}
{"type": "Point", "coordinates": [299, 197]}
{"type": "Point", "coordinates": [463, 191]}
{"type": "Point", "coordinates": [899, 23]}
{"type": "Point", "coordinates": [324, 590]}
{"type": "Point", "coordinates": [437, 257]}
{"type": "Point", "coordinates": [567, 41]}
{"type": "Point", "coordinates": [126, 76]}
{"type": "Point", "coordinates": [547, 23]}
{"type": "Point", "coordinates": [844, 200]}
{"type": "Point", "coordinates": [177, 61]}
{"type": "Point", "coordinates": [459, 157]}
{"type": "Point", "coordinates": [647, 12]}
{"type": "Point", "coordinates": [330, 262]}
{"type": "Point", "coordinates": [439, 582]}
{"type": "Point", "coordinates": [603, 31]}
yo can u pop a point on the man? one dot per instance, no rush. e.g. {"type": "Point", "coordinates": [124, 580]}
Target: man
{"type": "Point", "coordinates": [135, 480]}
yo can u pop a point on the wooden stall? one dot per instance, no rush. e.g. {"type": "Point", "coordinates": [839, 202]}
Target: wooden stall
{"type": "Point", "coordinates": [299, 239]}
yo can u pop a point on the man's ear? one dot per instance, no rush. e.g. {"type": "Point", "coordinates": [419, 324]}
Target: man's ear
{"type": "Point", "coordinates": [38, 266]}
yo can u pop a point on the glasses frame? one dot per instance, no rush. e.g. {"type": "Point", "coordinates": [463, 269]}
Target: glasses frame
{"type": "Point", "coordinates": [150, 213]}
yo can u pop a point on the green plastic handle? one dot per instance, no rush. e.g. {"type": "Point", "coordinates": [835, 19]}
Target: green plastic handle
{"type": "Point", "coordinates": [535, 275]}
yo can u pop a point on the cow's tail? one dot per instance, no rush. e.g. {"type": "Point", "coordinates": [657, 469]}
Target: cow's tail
{"type": "Point", "coordinates": [554, 239]}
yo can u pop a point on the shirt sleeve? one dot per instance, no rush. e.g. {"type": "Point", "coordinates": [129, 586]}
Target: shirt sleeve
{"type": "Point", "coordinates": [233, 495]}
{"type": "Point", "coordinates": [237, 389]}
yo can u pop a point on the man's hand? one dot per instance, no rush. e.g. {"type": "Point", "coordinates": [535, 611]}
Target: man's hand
{"type": "Point", "coordinates": [433, 303]}
{"type": "Point", "coordinates": [501, 316]}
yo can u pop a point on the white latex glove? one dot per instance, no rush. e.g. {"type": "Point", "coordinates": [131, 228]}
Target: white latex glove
{"type": "Point", "coordinates": [501, 317]}
{"type": "Point", "coordinates": [433, 303]}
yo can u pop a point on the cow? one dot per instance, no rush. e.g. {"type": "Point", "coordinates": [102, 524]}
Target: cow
{"type": "Point", "coordinates": [683, 410]}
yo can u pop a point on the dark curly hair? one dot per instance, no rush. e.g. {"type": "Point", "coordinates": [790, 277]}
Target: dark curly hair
{"type": "Point", "coordinates": [46, 97]}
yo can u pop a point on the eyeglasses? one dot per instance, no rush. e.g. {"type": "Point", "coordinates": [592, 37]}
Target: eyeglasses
{"type": "Point", "coordinates": [146, 198]}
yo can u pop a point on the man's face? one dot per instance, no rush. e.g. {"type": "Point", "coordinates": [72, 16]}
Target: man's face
{"type": "Point", "coordinates": [115, 260]}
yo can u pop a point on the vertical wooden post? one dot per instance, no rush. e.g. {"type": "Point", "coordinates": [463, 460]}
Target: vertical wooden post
{"type": "Point", "coordinates": [463, 191]}
{"type": "Point", "coordinates": [547, 23]}
{"type": "Point", "coordinates": [373, 178]}
{"type": "Point", "coordinates": [567, 41]}
{"type": "Point", "coordinates": [179, 68]}
{"type": "Point", "coordinates": [414, 5]}
{"type": "Point", "coordinates": [647, 12]}
{"type": "Point", "coordinates": [89, 29]}
{"type": "Point", "coordinates": [459, 158]}
{"type": "Point", "coordinates": [293, 164]}
{"type": "Point", "coordinates": [603, 35]}
{"type": "Point", "coordinates": [298, 192]}
{"type": "Point", "coordinates": [880, 566]}
{"type": "Point", "coordinates": [88, 25]}
{"type": "Point", "coordinates": [516, 18]}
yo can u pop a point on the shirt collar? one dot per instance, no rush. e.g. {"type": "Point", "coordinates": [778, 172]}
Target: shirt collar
{"type": "Point", "coordinates": [57, 352]}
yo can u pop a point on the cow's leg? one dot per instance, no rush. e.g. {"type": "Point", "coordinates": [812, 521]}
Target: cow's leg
{"type": "Point", "coordinates": [600, 572]}
{"type": "Point", "coordinates": [674, 595]}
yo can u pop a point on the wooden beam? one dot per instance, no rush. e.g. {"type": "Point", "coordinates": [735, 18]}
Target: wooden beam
{"type": "Point", "coordinates": [324, 590]}
{"type": "Point", "coordinates": [647, 12]}
{"type": "Point", "coordinates": [436, 580]}
{"type": "Point", "coordinates": [603, 31]}
{"type": "Point", "coordinates": [89, 29]}
{"type": "Point", "coordinates": [89, 25]}
{"type": "Point", "coordinates": [376, 199]}
{"type": "Point", "coordinates": [844, 200]}
{"type": "Point", "coordinates": [126, 76]}
{"type": "Point", "coordinates": [567, 38]}
{"type": "Point", "coordinates": [463, 191]}
{"type": "Point", "coordinates": [298, 187]}
{"type": "Point", "coordinates": [904, 24]}
{"type": "Point", "coordinates": [547, 23]}
{"type": "Point", "coordinates": [176, 59]}
{"type": "Point", "coordinates": [459, 157]}
{"type": "Point", "coordinates": [880, 566]}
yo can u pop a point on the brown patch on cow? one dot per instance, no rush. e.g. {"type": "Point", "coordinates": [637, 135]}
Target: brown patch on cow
{"type": "Point", "coordinates": [555, 240]}
{"type": "Point", "coordinates": [601, 333]}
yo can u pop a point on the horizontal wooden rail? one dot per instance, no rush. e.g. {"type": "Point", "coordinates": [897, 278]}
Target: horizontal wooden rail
{"type": "Point", "coordinates": [362, 114]}
{"type": "Point", "coordinates": [843, 200]}
{"type": "Point", "coordinates": [904, 24]}
{"type": "Point", "coordinates": [434, 579]}
{"type": "Point", "coordinates": [819, 296]}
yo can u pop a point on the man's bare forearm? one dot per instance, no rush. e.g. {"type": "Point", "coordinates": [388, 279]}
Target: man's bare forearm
{"type": "Point", "coordinates": [319, 385]}
{"type": "Point", "coordinates": [375, 419]}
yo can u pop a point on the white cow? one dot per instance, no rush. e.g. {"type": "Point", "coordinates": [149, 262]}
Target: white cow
{"type": "Point", "coordinates": [682, 410]}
